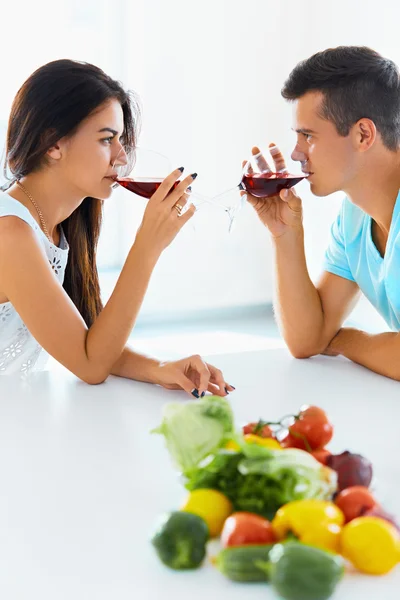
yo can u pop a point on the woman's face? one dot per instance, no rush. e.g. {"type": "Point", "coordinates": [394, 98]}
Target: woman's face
{"type": "Point", "coordinates": [88, 158]}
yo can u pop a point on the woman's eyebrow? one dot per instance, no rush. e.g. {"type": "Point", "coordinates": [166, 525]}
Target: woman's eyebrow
{"type": "Point", "coordinates": [108, 129]}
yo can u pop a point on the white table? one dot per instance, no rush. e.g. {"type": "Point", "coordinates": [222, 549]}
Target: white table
{"type": "Point", "coordinates": [82, 481]}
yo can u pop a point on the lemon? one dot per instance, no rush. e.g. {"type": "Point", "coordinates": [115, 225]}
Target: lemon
{"type": "Point", "coordinates": [371, 544]}
{"type": "Point", "coordinates": [210, 505]}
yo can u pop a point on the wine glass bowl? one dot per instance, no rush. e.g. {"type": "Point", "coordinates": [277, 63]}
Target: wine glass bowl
{"type": "Point", "coordinates": [259, 180]}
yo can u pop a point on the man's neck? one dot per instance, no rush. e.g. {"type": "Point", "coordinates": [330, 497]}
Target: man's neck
{"type": "Point", "coordinates": [375, 191]}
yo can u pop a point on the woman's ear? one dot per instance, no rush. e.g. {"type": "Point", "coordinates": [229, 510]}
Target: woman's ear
{"type": "Point", "coordinates": [55, 152]}
{"type": "Point", "coordinates": [55, 147]}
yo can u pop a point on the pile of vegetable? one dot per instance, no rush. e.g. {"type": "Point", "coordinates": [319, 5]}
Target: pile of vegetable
{"type": "Point", "coordinates": [287, 511]}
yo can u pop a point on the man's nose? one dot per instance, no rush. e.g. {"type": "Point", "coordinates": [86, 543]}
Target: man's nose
{"type": "Point", "coordinates": [298, 155]}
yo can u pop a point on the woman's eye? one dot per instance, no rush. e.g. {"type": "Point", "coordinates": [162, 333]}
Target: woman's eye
{"type": "Point", "coordinates": [107, 140]}
{"type": "Point", "coordinates": [308, 136]}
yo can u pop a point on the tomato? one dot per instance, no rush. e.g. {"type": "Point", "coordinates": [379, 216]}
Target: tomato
{"type": "Point", "coordinates": [289, 442]}
{"type": "Point", "coordinates": [243, 528]}
{"type": "Point", "coordinates": [311, 431]}
{"type": "Point", "coordinates": [354, 501]}
{"type": "Point", "coordinates": [321, 455]}
{"type": "Point", "coordinates": [260, 429]}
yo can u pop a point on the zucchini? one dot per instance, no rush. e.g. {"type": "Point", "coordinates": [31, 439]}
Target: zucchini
{"type": "Point", "coordinates": [245, 563]}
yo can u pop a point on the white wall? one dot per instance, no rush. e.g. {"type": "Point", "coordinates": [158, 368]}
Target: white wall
{"type": "Point", "coordinates": [209, 75]}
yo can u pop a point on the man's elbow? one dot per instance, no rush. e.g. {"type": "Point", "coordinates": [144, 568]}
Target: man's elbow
{"type": "Point", "coordinates": [304, 350]}
{"type": "Point", "coordinates": [94, 380]}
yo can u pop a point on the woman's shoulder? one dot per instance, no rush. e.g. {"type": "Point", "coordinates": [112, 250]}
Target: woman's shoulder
{"type": "Point", "coordinates": [9, 207]}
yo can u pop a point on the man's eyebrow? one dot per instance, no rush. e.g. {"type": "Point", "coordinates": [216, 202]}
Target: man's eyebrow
{"type": "Point", "coordinates": [301, 130]}
{"type": "Point", "coordinates": [108, 129]}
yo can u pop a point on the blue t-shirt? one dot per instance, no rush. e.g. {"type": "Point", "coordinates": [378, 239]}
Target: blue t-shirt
{"type": "Point", "coordinates": [353, 255]}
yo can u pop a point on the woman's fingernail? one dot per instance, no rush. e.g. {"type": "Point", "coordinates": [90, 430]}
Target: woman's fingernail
{"type": "Point", "coordinates": [194, 175]}
{"type": "Point", "coordinates": [195, 393]}
{"type": "Point", "coordinates": [181, 169]}
{"type": "Point", "coordinates": [285, 193]}
{"type": "Point", "coordinates": [226, 390]}
{"type": "Point", "coordinates": [233, 387]}
{"type": "Point", "coordinates": [203, 394]}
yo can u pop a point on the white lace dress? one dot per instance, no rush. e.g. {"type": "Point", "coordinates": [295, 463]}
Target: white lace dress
{"type": "Point", "coordinates": [19, 351]}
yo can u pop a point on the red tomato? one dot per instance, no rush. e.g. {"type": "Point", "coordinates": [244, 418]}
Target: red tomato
{"type": "Point", "coordinates": [243, 528]}
{"type": "Point", "coordinates": [312, 429]}
{"type": "Point", "coordinates": [321, 455]}
{"type": "Point", "coordinates": [259, 429]}
{"type": "Point", "coordinates": [289, 442]}
{"type": "Point", "coordinates": [355, 501]}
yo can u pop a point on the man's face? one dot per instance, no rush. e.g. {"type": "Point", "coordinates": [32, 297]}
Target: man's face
{"type": "Point", "coordinates": [329, 157]}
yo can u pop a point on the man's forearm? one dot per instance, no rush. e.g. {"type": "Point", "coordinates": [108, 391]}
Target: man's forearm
{"type": "Point", "coordinates": [133, 365]}
{"type": "Point", "coordinates": [297, 304]}
{"type": "Point", "coordinates": [379, 353]}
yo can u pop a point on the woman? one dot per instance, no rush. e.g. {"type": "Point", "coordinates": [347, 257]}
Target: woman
{"type": "Point", "coordinates": [70, 127]}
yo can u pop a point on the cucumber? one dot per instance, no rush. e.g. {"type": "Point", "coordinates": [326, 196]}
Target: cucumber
{"type": "Point", "coordinates": [300, 572]}
{"type": "Point", "coordinates": [245, 563]}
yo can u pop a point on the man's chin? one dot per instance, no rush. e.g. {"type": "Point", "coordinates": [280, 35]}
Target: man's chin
{"type": "Point", "coordinates": [319, 191]}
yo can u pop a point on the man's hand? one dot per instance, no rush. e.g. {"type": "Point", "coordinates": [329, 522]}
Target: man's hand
{"type": "Point", "coordinates": [378, 352]}
{"type": "Point", "coordinates": [333, 347]}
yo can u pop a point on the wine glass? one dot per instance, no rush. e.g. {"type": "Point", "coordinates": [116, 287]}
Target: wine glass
{"type": "Point", "coordinates": [146, 174]}
{"type": "Point", "coordinates": [259, 180]}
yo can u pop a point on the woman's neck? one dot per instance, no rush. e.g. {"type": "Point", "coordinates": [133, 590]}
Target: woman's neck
{"type": "Point", "coordinates": [53, 196]}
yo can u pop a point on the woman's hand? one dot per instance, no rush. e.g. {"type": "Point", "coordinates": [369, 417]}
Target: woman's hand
{"type": "Point", "coordinates": [193, 375]}
{"type": "Point", "coordinates": [282, 212]}
{"type": "Point", "coordinates": [162, 219]}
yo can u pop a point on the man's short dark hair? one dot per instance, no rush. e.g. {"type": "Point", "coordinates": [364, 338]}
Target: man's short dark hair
{"type": "Point", "coordinates": [357, 83]}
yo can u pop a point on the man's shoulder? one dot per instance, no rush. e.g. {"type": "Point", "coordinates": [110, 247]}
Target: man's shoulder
{"type": "Point", "coordinates": [352, 217]}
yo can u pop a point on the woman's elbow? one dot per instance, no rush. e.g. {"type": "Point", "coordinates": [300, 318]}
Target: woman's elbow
{"type": "Point", "coordinates": [92, 377]}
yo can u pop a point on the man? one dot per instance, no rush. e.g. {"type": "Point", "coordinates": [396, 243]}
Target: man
{"type": "Point", "coordinates": [347, 119]}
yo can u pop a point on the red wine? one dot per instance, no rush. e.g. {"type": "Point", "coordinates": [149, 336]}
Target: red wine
{"type": "Point", "coordinates": [264, 185]}
{"type": "Point", "coordinates": [144, 187]}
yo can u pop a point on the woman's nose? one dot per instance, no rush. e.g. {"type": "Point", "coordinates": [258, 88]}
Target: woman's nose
{"type": "Point", "coordinates": [298, 155]}
{"type": "Point", "coordinates": [121, 159]}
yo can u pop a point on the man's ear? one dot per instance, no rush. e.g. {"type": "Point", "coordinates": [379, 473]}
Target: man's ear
{"type": "Point", "coordinates": [364, 133]}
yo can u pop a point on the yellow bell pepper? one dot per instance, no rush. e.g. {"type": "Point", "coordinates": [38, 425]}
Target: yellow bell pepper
{"type": "Point", "coordinates": [271, 443]}
{"type": "Point", "coordinates": [314, 522]}
{"type": "Point", "coordinates": [371, 544]}
{"type": "Point", "coordinates": [232, 445]}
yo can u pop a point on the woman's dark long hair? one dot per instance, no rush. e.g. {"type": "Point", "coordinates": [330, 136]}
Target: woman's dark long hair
{"type": "Point", "coordinates": [51, 105]}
